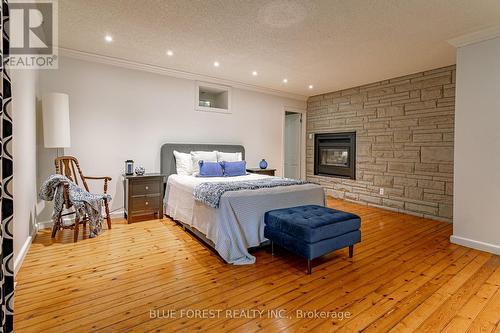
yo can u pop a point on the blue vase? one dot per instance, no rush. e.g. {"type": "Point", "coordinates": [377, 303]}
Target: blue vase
{"type": "Point", "coordinates": [263, 164]}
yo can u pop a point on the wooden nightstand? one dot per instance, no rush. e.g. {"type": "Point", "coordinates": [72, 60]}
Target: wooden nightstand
{"type": "Point", "coordinates": [269, 172]}
{"type": "Point", "coordinates": [143, 197]}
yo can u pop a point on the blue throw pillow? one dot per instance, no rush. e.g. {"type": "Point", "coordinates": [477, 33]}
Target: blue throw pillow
{"type": "Point", "coordinates": [232, 169]}
{"type": "Point", "coordinates": [210, 169]}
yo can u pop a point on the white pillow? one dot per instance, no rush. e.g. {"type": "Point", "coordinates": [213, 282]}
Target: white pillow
{"type": "Point", "coordinates": [183, 163]}
{"type": "Point", "coordinates": [207, 156]}
{"type": "Point", "coordinates": [229, 157]}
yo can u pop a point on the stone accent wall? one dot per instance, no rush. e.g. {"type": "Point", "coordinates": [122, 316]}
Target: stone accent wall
{"type": "Point", "coordinates": [404, 135]}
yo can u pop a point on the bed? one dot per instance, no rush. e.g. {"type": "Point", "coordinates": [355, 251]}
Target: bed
{"type": "Point", "coordinates": [238, 223]}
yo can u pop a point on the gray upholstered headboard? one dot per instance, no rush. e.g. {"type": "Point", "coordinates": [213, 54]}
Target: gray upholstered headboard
{"type": "Point", "coordinates": [167, 159]}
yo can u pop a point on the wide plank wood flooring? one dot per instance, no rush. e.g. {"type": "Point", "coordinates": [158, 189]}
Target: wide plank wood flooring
{"type": "Point", "coordinates": [405, 276]}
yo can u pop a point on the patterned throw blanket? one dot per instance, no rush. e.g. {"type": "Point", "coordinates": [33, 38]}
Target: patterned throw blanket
{"type": "Point", "coordinates": [85, 203]}
{"type": "Point", "coordinates": [210, 193]}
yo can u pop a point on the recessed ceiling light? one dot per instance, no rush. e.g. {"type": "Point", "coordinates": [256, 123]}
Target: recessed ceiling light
{"type": "Point", "coordinates": [170, 53]}
{"type": "Point", "coordinates": [311, 86]}
{"type": "Point", "coordinates": [108, 38]}
{"type": "Point", "coordinates": [216, 64]}
{"type": "Point", "coordinates": [254, 73]}
{"type": "Point", "coordinates": [285, 80]}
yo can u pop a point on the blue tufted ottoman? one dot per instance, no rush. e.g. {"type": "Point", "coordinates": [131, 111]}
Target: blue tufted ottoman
{"type": "Point", "coordinates": [312, 231]}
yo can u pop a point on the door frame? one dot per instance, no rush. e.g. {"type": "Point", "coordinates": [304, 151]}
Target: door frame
{"type": "Point", "coordinates": [302, 111]}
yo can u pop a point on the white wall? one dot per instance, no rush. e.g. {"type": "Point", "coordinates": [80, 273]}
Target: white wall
{"type": "Point", "coordinates": [118, 114]}
{"type": "Point", "coordinates": [24, 84]}
{"type": "Point", "coordinates": [477, 147]}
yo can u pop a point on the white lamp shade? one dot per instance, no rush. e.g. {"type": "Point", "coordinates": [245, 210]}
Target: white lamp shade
{"type": "Point", "coordinates": [56, 128]}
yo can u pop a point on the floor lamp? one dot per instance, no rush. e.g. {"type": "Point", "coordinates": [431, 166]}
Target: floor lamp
{"type": "Point", "coordinates": [56, 126]}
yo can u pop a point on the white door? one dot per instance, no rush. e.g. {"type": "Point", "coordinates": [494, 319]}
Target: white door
{"type": "Point", "coordinates": [293, 130]}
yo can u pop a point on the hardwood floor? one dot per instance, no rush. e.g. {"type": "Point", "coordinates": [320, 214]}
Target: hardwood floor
{"type": "Point", "coordinates": [405, 276]}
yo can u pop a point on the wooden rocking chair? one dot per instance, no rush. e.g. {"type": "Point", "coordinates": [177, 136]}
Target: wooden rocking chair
{"type": "Point", "coordinates": [68, 166]}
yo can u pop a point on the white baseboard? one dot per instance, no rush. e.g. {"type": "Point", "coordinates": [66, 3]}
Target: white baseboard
{"type": "Point", "coordinates": [43, 224]}
{"type": "Point", "coordinates": [22, 254]}
{"type": "Point", "coordinates": [49, 224]}
{"type": "Point", "coordinates": [495, 249]}
{"type": "Point", "coordinates": [118, 213]}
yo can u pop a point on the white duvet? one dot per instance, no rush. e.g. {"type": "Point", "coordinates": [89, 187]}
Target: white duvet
{"type": "Point", "coordinates": [238, 223]}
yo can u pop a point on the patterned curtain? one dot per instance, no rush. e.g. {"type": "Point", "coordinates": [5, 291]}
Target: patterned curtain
{"type": "Point", "coordinates": [6, 198]}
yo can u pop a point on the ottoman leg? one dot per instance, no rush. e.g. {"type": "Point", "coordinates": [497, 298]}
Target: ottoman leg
{"type": "Point", "coordinates": [272, 248]}
{"type": "Point", "coordinates": [351, 250]}
{"type": "Point", "coordinates": [308, 266]}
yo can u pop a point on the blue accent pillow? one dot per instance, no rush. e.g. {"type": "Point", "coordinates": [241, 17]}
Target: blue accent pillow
{"type": "Point", "coordinates": [210, 169]}
{"type": "Point", "coordinates": [232, 169]}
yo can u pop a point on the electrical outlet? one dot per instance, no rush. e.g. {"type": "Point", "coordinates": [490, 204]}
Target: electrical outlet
{"type": "Point", "coordinates": [310, 136]}
{"type": "Point", "coordinates": [381, 191]}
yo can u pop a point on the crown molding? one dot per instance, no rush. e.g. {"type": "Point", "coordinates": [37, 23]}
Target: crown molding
{"type": "Point", "coordinates": [475, 37]}
{"type": "Point", "coordinates": [172, 72]}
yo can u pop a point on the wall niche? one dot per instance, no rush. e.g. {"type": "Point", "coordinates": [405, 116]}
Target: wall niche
{"type": "Point", "coordinates": [213, 98]}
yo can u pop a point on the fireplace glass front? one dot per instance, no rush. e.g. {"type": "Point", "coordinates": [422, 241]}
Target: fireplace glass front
{"type": "Point", "coordinates": [334, 157]}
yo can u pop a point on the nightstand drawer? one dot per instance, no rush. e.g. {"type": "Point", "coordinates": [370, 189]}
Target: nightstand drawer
{"type": "Point", "coordinates": [143, 197]}
{"type": "Point", "coordinates": [269, 172]}
{"type": "Point", "coordinates": [145, 203]}
{"type": "Point", "coordinates": [145, 188]}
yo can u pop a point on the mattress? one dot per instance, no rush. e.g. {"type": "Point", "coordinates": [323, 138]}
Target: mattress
{"type": "Point", "coordinates": [238, 223]}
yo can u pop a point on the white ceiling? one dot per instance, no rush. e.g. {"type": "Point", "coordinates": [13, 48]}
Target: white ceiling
{"type": "Point", "coordinates": [330, 44]}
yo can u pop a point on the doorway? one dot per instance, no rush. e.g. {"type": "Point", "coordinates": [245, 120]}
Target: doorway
{"type": "Point", "coordinates": [293, 145]}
